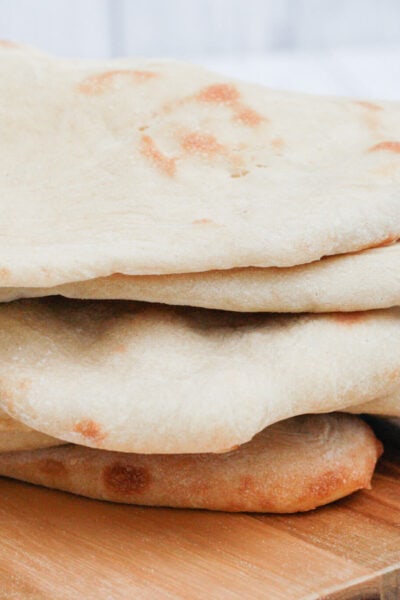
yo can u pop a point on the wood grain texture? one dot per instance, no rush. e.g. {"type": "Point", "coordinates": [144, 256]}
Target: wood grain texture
{"type": "Point", "coordinates": [57, 546]}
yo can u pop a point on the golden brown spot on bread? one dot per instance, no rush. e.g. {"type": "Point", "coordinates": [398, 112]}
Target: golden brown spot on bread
{"type": "Point", "coordinates": [232, 448]}
{"type": "Point", "coordinates": [102, 82]}
{"type": "Point", "coordinates": [4, 273]}
{"type": "Point", "coordinates": [370, 115]}
{"type": "Point", "coordinates": [206, 145]}
{"type": "Point", "coordinates": [25, 384]}
{"type": "Point", "coordinates": [201, 143]}
{"type": "Point", "coordinates": [227, 450]}
{"type": "Point", "coordinates": [239, 173]}
{"type": "Point", "coordinates": [203, 222]}
{"type": "Point", "coordinates": [8, 44]}
{"type": "Point", "coordinates": [225, 93]}
{"type": "Point", "coordinates": [368, 105]}
{"type": "Point", "coordinates": [328, 484]}
{"type": "Point", "coordinates": [349, 318]}
{"type": "Point", "coordinates": [248, 116]}
{"type": "Point", "coordinates": [89, 429]}
{"type": "Point", "coordinates": [277, 143]}
{"type": "Point", "coordinates": [389, 146]}
{"type": "Point", "coordinates": [144, 75]}
{"type": "Point", "coordinates": [150, 151]}
{"type": "Point", "coordinates": [394, 375]}
{"type": "Point", "coordinates": [52, 467]}
{"type": "Point", "coordinates": [120, 348]}
{"type": "Point", "coordinates": [124, 479]}
{"type": "Point", "coordinates": [219, 93]}
{"type": "Point", "coordinates": [387, 241]}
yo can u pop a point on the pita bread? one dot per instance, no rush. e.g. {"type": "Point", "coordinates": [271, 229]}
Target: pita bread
{"type": "Point", "coordinates": [348, 282]}
{"type": "Point", "coordinates": [151, 379]}
{"type": "Point", "coordinates": [16, 436]}
{"type": "Point", "coordinates": [292, 466]}
{"type": "Point", "coordinates": [158, 167]}
{"type": "Point", "coordinates": [385, 407]}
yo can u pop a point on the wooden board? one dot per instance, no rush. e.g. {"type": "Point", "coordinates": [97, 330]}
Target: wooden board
{"type": "Point", "coordinates": [58, 546]}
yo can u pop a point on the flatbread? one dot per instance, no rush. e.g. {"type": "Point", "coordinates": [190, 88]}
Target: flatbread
{"type": "Point", "coordinates": [292, 466]}
{"type": "Point", "coordinates": [16, 436]}
{"type": "Point", "coordinates": [385, 407]}
{"type": "Point", "coordinates": [140, 167]}
{"type": "Point", "coordinates": [361, 281]}
{"type": "Point", "coordinates": [151, 379]}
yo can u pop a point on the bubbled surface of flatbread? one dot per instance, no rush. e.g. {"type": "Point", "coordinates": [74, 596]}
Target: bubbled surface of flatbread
{"type": "Point", "coordinates": [151, 379]}
{"type": "Point", "coordinates": [139, 166]}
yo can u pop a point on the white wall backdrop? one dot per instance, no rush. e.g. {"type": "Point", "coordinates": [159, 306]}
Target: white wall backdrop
{"type": "Point", "coordinates": [332, 46]}
{"type": "Point", "coordinates": [192, 27]}
{"type": "Point", "coordinates": [64, 27]}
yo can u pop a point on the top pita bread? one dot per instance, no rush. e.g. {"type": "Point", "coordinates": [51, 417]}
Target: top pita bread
{"type": "Point", "coordinates": [151, 167]}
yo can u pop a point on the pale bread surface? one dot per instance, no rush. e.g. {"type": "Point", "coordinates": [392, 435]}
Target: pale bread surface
{"type": "Point", "coordinates": [139, 166]}
{"type": "Point", "coordinates": [363, 280]}
{"type": "Point", "coordinates": [148, 378]}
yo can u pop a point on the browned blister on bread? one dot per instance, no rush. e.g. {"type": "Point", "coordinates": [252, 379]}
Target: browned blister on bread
{"type": "Point", "coordinates": [295, 465]}
{"type": "Point", "coordinates": [158, 145]}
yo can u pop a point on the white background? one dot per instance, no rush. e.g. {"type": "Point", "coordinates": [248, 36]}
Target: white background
{"type": "Point", "coordinates": [329, 46]}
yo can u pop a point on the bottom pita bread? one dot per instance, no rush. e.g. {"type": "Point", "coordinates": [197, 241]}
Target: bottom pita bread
{"type": "Point", "coordinates": [17, 436]}
{"type": "Point", "coordinates": [292, 466]}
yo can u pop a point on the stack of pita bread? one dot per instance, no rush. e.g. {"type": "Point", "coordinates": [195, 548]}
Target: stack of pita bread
{"type": "Point", "coordinates": [199, 279]}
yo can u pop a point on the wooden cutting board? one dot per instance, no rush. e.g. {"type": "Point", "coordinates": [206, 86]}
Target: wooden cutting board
{"type": "Point", "coordinates": [58, 546]}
